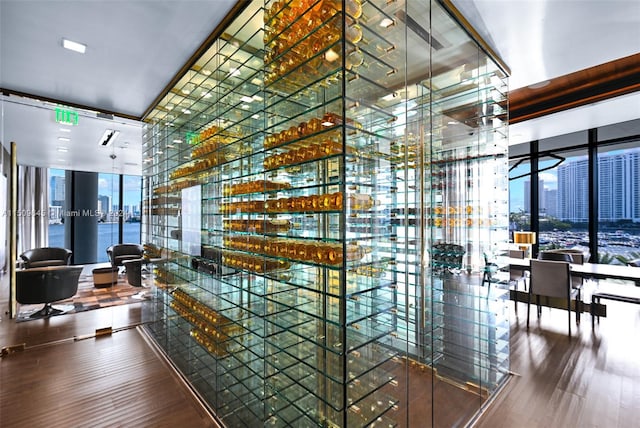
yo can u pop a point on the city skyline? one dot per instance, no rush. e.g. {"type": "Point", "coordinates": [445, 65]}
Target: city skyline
{"type": "Point", "coordinates": [107, 198]}
{"type": "Point", "coordinates": [564, 189]}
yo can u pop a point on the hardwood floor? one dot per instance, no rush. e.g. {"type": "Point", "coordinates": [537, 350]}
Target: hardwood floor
{"type": "Point", "coordinates": [590, 380]}
{"type": "Point", "coordinates": [109, 381]}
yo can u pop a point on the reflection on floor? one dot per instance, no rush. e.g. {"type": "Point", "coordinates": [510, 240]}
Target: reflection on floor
{"type": "Point", "coordinates": [592, 379]}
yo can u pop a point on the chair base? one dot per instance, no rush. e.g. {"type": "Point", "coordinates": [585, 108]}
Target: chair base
{"type": "Point", "coordinates": [47, 311]}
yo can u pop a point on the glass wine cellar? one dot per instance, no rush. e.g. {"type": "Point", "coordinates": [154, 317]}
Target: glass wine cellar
{"type": "Point", "coordinates": [322, 187]}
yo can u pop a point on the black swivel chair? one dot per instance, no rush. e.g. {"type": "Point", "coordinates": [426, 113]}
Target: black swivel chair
{"type": "Point", "coordinates": [46, 256]}
{"type": "Point", "coordinates": [47, 285]}
{"type": "Point", "coordinates": [119, 253]}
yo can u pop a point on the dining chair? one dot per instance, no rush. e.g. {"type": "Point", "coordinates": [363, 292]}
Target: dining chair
{"type": "Point", "coordinates": [551, 278]}
{"type": "Point", "coordinates": [565, 256]}
{"type": "Point", "coordinates": [516, 274]}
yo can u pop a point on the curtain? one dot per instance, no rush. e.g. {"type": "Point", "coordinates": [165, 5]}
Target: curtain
{"type": "Point", "coordinates": [33, 208]}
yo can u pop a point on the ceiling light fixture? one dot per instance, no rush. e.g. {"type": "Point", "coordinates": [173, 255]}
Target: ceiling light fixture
{"type": "Point", "coordinates": [64, 129]}
{"type": "Point", "coordinates": [108, 137]}
{"type": "Point", "coordinates": [74, 46]}
{"type": "Point", "coordinates": [65, 139]}
{"type": "Point", "coordinates": [539, 84]}
{"type": "Point", "coordinates": [63, 149]}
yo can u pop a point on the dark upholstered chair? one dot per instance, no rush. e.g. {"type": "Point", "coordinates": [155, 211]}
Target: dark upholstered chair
{"type": "Point", "coordinates": [553, 279]}
{"type": "Point", "coordinates": [47, 285]}
{"type": "Point", "coordinates": [46, 256]}
{"type": "Point", "coordinates": [118, 253]}
{"type": "Point", "coordinates": [569, 256]}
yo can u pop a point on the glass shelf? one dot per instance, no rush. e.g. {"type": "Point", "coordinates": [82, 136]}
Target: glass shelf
{"type": "Point", "coordinates": [333, 170]}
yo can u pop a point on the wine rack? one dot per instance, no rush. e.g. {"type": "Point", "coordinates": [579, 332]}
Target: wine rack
{"type": "Point", "coordinates": [316, 179]}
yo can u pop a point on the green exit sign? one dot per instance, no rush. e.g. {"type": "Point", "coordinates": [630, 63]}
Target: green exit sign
{"type": "Point", "coordinates": [192, 138]}
{"type": "Point", "coordinates": [66, 116]}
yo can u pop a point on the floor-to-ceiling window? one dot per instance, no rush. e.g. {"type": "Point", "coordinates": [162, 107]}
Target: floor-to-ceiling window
{"type": "Point", "coordinates": [563, 191]}
{"type": "Point", "coordinates": [109, 211]}
{"type": "Point", "coordinates": [131, 210]}
{"type": "Point", "coordinates": [118, 210]}
{"type": "Point", "coordinates": [619, 202]}
{"type": "Point", "coordinates": [56, 207]}
{"type": "Point", "coordinates": [519, 191]}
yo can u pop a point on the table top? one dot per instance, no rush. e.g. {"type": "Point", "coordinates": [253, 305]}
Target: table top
{"type": "Point", "coordinates": [589, 270]}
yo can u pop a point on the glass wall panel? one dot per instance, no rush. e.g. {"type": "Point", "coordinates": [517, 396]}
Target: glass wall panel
{"type": "Point", "coordinates": [131, 210]}
{"type": "Point", "coordinates": [313, 186]}
{"type": "Point", "coordinates": [564, 201]}
{"type": "Point", "coordinates": [108, 213]}
{"type": "Point", "coordinates": [56, 207]}
{"type": "Point", "coordinates": [108, 210]}
{"type": "Point", "coordinates": [619, 202]}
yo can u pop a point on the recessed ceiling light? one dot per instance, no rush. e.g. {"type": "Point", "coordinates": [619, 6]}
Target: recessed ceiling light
{"type": "Point", "coordinates": [63, 149]}
{"type": "Point", "coordinates": [74, 46]}
{"type": "Point", "coordinates": [64, 129]}
{"type": "Point", "coordinates": [539, 84]}
{"type": "Point", "coordinates": [65, 139]}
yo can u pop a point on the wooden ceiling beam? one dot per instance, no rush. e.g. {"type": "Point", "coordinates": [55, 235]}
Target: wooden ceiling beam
{"type": "Point", "coordinates": [604, 81]}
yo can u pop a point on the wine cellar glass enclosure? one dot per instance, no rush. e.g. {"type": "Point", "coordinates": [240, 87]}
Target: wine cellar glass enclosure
{"type": "Point", "coordinates": [322, 188]}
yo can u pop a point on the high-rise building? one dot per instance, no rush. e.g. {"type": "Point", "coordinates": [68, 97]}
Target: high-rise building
{"type": "Point", "coordinates": [104, 204]}
{"type": "Point", "coordinates": [56, 187]}
{"type": "Point", "coordinates": [573, 191]}
{"type": "Point", "coordinates": [618, 188]}
{"type": "Point", "coordinates": [550, 197]}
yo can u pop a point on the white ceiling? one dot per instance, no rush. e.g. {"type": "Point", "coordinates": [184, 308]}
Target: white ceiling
{"type": "Point", "coordinates": [136, 47]}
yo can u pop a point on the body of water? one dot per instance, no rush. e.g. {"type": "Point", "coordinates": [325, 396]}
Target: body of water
{"type": "Point", "coordinates": [107, 235]}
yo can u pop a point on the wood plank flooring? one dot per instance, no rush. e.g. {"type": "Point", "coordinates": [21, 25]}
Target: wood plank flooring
{"type": "Point", "coordinates": [590, 380]}
{"type": "Point", "coordinates": [109, 381]}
